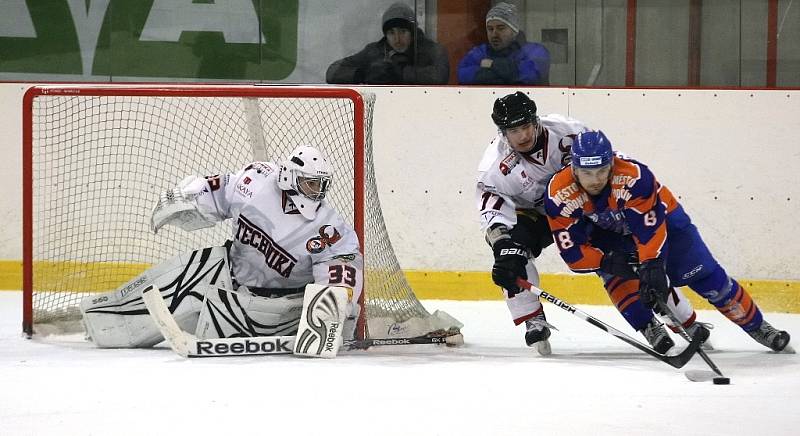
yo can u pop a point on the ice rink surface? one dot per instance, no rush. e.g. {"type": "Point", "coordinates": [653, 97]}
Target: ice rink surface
{"type": "Point", "coordinates": [593, 384]}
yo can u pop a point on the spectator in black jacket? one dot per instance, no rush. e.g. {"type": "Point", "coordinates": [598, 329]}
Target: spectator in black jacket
{"type": "Point", "coordinates": [403, 56]}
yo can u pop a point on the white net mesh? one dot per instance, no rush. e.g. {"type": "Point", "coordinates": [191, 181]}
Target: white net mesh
{"type": "Point", "coordinates": [100, 161]}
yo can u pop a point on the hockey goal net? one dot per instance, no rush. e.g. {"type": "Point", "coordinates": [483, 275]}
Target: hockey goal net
{"type": "Point", "coordinates": [96, 158]}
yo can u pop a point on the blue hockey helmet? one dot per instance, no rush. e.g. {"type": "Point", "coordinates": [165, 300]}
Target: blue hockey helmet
{"type": "Point", "coordinates": [591, 150]}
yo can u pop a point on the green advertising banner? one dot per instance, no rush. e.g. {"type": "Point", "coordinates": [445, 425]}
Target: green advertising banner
{"type": "Point", "coordinates": [200, 39]}
{"type": "Point", "coordinates": [38, 37]}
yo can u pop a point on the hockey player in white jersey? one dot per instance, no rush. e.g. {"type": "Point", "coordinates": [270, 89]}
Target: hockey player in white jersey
{"type": "Point", "coordinates": [285, 235]}
{"type": "Point", "coordinates": [512, 179]}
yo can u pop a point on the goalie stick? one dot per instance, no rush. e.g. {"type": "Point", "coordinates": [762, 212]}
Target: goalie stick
{"type": "Point", "coordinates": [188, 345]}
{"type": "Point", "coordinates": [677, 361]}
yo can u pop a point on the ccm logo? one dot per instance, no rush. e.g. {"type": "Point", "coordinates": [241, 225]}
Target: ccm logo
{"type": "Point", "coordinates": [512, 252]}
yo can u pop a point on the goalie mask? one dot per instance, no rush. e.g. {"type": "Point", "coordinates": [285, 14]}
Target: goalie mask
{"type": "Point", "coordinates": [305, 176]}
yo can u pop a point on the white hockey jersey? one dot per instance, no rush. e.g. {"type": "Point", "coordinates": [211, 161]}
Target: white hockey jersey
{"type": "Point", "coordinates": [274, 246]}
{"type": "Point", "coordinates": [508, 180]}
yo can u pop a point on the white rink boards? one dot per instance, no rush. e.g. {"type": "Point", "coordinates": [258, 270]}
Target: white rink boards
{"type": "Point", "coordinates": [731, 155]}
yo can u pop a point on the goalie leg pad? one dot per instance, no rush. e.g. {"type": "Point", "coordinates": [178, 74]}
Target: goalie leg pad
{"type": "Point", "coordinates": [226, 314]}
{"type": "Point", "coordinates": [322, 321]}
{"type": "Point", "coordinates": [113, 322]}
{"type": "Point", "coordinates": [119, 319]}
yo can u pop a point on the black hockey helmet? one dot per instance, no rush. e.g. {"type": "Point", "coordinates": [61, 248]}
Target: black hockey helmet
{"type": "Point", "coordinates": [514, 110]}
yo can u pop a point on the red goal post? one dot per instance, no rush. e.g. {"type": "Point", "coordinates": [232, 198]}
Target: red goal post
{"type": "Point", "coordinates": [96, 156]}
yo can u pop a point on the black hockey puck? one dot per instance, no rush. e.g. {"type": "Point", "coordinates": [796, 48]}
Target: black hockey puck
{"type": "Point", "coordinates": [722, 381]}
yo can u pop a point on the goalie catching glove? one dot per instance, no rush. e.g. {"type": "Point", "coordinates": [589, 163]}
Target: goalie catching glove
{"type": "Point", "coordinates": [178, 207]}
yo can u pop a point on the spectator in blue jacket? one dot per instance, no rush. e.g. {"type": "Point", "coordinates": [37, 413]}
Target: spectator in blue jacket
{"type": "Point", "coordinates": [507, 59]}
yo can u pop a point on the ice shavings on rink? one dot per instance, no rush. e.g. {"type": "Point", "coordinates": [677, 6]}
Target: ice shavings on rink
{"type": "Point", "coordinates": [494, 385]}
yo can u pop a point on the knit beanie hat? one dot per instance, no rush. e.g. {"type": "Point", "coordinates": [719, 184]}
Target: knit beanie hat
{"type": "Point", "coordinates": [506, 13]}
{"type": "Point", "coordinates": [399, 15]}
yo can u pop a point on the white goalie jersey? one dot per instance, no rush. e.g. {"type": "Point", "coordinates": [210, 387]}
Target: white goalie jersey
{"type": "Point", "coordinates": [508, 180]}
{"type": "Point", "coordinates": [274, 246]}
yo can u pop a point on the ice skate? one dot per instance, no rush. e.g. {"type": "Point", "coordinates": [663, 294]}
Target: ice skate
{"type": "Point", "coordinates": [537, 333]}
{"type": "Point", "coordinates": [657, 336]}
{"type": "Point", "coordinates": [769, 336]}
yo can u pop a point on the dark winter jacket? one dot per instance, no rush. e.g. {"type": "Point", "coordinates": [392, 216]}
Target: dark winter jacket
{"type": "Point", "coordinates": [378, 64]}
{"type": "Point", "coordinates": [521, 63]}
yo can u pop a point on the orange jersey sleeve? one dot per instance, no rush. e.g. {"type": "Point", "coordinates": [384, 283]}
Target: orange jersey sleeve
{"type": "Point", "coordinates": [635, 191]}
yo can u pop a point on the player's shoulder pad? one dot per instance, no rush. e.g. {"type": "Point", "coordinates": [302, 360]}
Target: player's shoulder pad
{"type": "Point", "coordinates": [564, 197]}
{"type": "Point", "coordinates": [561, 179]}
{"type": "Point", "coordinates": [494, 180]}
{"type": "Point", "coordinates": [562, 125]}
{"type": "Point", "coordinates": [634, 175]}
{"type": "Point", "coordinates": [629, 166]}
{"type": "Point", "coordinates": [498, 158]}
{"type": "Point", "coordinates": [492, 152]}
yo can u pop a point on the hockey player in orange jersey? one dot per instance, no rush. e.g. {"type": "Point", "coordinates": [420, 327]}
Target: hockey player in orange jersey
{"type": "Point", "coordinates": [608, 212]}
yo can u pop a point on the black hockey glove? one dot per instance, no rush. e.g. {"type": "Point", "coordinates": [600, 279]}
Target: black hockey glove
{"type": "Point", "coordinates": [619, 264]}
{"type": "Point", "coordinates": [510, 259]}
{"type": "Point", "coordinates": [653, 282]}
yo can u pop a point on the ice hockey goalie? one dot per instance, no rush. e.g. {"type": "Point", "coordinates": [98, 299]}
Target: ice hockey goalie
{"type": "Point", "coordinates": [285, 235]}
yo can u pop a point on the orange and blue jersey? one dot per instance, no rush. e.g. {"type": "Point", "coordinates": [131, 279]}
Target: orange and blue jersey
{"type": "Point", "coordinates": [659, 228]}
{"type": "Point", "coordinates": [632, 189]}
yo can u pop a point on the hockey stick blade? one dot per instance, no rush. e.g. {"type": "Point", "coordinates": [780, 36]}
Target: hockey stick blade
{"type": "Point", "coordinates": [693, 375]}
{"type": "Point", "coordinates": [697, 375]}
{"type": "Point", "coordinates": [363, 344]}
{"type": "Point", "coordinates": [262, 345]}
